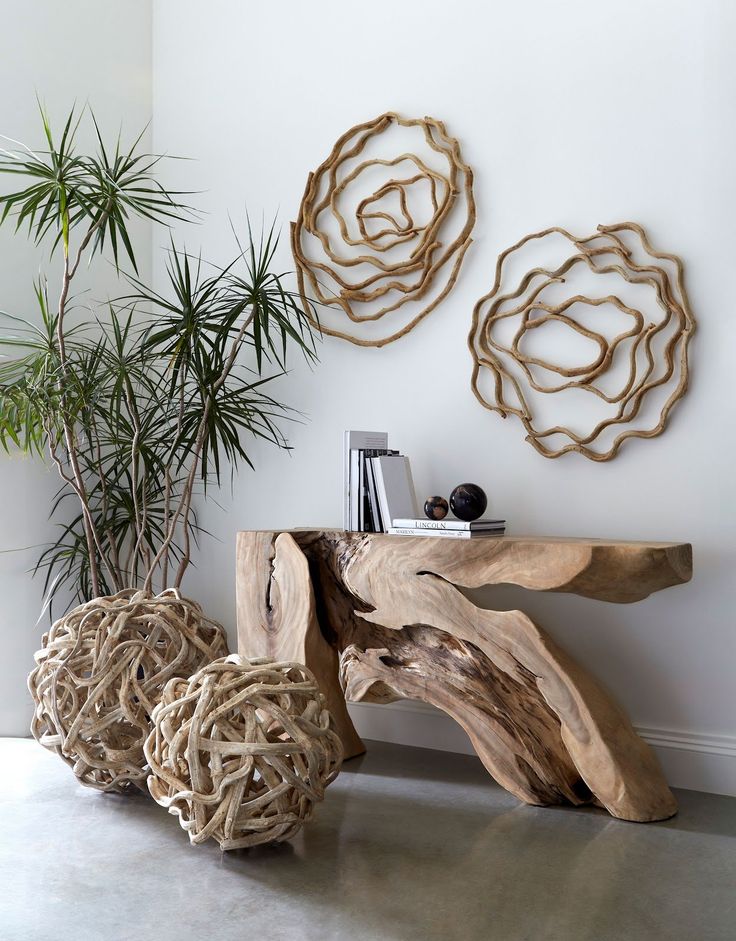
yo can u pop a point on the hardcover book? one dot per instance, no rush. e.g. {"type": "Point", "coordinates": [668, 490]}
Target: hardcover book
{"type": "Point", "coordinates": [448, 524]}
{"type": "Point", "coordinates": [447, 533]}
{"type": "Point", "coordinates": [394, 487]}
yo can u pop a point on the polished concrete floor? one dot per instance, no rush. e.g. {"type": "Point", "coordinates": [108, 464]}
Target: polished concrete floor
{"type": "Point", "coordinates": [409, 844]}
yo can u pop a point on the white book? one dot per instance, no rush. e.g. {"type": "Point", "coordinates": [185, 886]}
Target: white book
{"type": "Point", "coordinates": [346, 480]}
{"type": "Point", "coordinates": [446, 533]}
{"type": "Point", "coordinates": [355, 441]}
{"type": "Point", "coordinates": [472, 526]}
{"type": "Point", "coordinates": [394, 486]}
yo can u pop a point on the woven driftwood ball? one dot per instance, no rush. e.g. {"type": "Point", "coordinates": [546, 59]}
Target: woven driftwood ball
{"type": "Point", "coordinates": [102, 669]}
{"type": "Point", "coordinates": [242, 751]}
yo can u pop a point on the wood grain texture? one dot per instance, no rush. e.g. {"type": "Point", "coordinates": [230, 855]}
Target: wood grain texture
{"type": "Point", "coordinates": [542, 726]}
{"type": "Point", "coordinates": [277, 619]}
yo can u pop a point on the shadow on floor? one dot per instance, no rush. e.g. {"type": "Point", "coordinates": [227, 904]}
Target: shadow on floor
{"type": "Point", "coordinates": [698, 812]}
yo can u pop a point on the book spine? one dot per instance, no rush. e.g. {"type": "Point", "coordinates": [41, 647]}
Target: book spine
{"type": "Point", "coordinates": [372, 498]}
{"type": "Point", "coordinates": [443, 525]}
{"type": "Point", "coordinates": [444, 533]}
{"type": "Point", "coordinates": [361, 490]}
{"type": "Point", "coordinates": [368, 521]}
{"type": "Point", "coordinates": [439, 534]}
{"type": "Point", "coordinates": [346, 480]}
{"type": "Point", "coordinates": [354, 492]}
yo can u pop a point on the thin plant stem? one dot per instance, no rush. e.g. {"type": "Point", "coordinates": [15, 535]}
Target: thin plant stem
{"type": "Point", "coordinates": [183, 509]}
{"type": "Point", "coordinates": [94, 543]}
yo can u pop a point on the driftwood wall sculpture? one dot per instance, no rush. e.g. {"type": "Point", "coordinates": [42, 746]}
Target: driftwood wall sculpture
{"type": "Point", "coordinates": [381, 235]}
{"type": "Point", "coordinates": [506, 377]}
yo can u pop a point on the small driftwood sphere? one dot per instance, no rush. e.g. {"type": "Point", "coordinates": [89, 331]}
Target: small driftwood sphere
{"type": "Point", "coordinates": [101, 671]}
{"type": "Point", "coordinates": [242, 751]}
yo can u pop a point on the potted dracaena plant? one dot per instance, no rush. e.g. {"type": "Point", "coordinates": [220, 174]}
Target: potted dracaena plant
{"type": "Point", "coordinates": [137, 402]}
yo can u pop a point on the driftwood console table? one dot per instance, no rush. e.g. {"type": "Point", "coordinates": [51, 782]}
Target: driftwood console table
{"type": "Point", "coordinates": [379, 618]}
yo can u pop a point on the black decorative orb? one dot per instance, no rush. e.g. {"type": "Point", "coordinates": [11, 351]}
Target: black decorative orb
{"type": "Point", "coordinates": [468, 502]}
{"type": "Point", "coordinates": [435, 508]}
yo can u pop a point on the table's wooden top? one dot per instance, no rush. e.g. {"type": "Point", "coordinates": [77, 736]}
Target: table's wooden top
{"type": "Point", "coordinates": [605, 569]}
{"type": "Point", "coordinates": [537, 540]}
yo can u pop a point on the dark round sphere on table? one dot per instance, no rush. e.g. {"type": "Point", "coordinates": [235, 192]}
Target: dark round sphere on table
{"type": "Point", "coordinates": [468, 502]}
{"type": "Point", "coordinates": [435, 508]}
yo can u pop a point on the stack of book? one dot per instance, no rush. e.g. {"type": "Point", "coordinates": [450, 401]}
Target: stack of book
{"type": "Point", "coordinates": [379, 494]}
{"type": "Point", "coordinates": [378, 485]}
{"type": "Point", "coordinates": [448, 528]}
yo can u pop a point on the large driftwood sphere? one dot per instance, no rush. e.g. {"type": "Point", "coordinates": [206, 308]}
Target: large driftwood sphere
{"type": "Point", "coordinates": [101, 671]}
{"type": "Point", "coordinates": [242, 751]}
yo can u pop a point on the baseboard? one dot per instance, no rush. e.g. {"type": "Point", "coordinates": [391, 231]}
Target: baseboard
{"type": "Point", "coordinates": [698, 762]}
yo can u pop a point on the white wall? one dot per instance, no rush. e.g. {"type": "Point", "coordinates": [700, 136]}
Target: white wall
{"type": "Point", "coordinates": [571, 113]}
{"type": "Point", "coordinates": [96, 50]}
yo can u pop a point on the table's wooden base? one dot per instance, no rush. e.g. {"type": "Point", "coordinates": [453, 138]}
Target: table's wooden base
{"type": "Point", "coordinates": [380, 618]}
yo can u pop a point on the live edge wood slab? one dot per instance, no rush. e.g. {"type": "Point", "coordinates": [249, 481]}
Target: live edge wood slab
{"type": "Point", "coordinates": [379, 618]}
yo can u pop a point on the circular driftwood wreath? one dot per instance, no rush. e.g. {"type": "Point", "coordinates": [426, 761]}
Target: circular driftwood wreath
{"type": "Point", "coordinates": [101, 671]}
{"type": "Point", "coordinates": [655, 347]}
{"type": "Point", "coordinates": [242, 751]}
{"type": "Point", "coordinates": [369, 254]}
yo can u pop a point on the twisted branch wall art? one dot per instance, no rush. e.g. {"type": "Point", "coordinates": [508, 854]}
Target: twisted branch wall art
{"type": "Point", "coordinates": [506, 377]}
{"type": "Point", "coordinates": [386, 258]}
